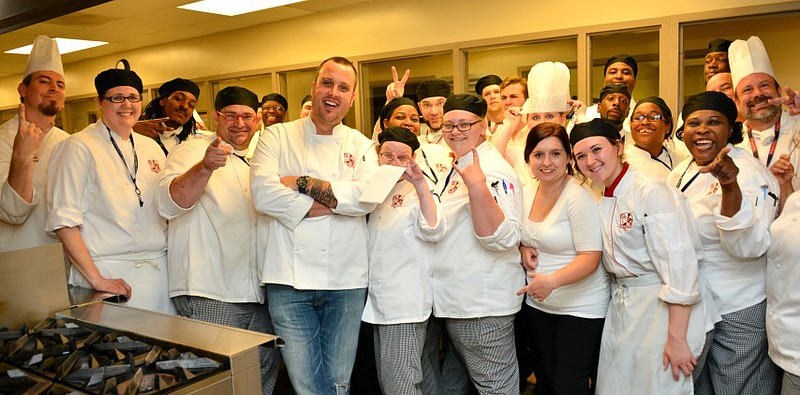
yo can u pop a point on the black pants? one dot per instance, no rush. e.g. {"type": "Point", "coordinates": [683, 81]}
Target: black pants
{"type": "Point", "coordinates": [566, 350]}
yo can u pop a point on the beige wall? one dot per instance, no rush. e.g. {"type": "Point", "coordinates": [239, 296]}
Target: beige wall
{"type": "Point", "coordinates": [365, 33]}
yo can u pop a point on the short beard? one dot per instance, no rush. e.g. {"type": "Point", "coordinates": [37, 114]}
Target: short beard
{"type": "Point", "coordinates": [751, 116]}
{"type": "Point", "coordinates": [49, 109]}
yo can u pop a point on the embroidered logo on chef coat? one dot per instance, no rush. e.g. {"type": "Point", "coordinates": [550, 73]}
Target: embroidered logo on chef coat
{"type": "Point", "coordinates": [713, 188]}
{"type": "Point", "coordinates": [349, 159]}
{"type": "Point", "coordinates": [453, 188]}
{"type": "Point", "coordinates": [626, 221]}
{"type": "Point", "coordinates": [154, 166]}
{"type": "Point", "coordinates": [441, 167]}
{"type": "Point", "coordinates": [397, 201]}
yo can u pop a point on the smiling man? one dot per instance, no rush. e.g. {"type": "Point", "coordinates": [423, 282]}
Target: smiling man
{"type": "Point", "coordinates": [307, 176]}
{"type": "Point", "coordinates": [770, 132]}
{"type": "Point", "coordinates": [168, 117]}
{"type": "Point", "coordinates": [26, 142]}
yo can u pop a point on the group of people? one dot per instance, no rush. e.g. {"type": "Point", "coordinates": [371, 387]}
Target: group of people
{"type": "Point", "coordinates": [608, 249]}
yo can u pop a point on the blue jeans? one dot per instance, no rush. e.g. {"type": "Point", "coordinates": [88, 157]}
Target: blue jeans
{"type": "Point", "coordinates": [320, 329]}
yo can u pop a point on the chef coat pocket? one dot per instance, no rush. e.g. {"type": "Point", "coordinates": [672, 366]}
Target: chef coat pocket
{"type": "Point", "coordinates": [662, 232]}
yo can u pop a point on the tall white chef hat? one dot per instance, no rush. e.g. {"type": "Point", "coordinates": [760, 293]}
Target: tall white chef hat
{"type": "Point", "coordinates": [748, 57]}
{"type": "Point", "coordinates": [548, 88]}
{"type": "Point", "coordinates": [44, 56]}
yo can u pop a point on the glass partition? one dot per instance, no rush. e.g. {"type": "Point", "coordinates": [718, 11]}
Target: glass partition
{"type": "Point", "coordinates": [641, 44]}
{"type": "Point", "coordinates": [260, 84]}
{"type": "Point", "coordinates": [295, 85]}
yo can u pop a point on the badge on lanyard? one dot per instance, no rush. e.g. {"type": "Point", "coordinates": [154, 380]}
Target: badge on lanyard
{"type": "Point", "coordinates": [141, 216]}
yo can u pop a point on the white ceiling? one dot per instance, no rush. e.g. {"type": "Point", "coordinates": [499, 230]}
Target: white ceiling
{"type": "Point", "coordinates": [131, 24]}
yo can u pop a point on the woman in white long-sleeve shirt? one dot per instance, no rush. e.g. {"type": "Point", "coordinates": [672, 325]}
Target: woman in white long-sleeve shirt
{"type": "Point", "coordinates": [567, 292]}
{"type": "Point", "coordinates": [400, 296]}
{"type": "Point", "coordinates": [734, 199]}
{"type": "Point", "coordinates": [656, 322]}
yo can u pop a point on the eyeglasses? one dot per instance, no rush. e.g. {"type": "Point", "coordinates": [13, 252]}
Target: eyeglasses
{"type": "Point", "coordinates": [653, 117]}
{"type": "Point", "coordinates": [233, 117]}
{"type": "Point", "coordinates": [461, 126]}
{"type": "Point", "coordinates": [388, 157]}
{"type": "Point", "coordinates": [275, 108]}
{"type": "Point", "coordinates": [120, 98]}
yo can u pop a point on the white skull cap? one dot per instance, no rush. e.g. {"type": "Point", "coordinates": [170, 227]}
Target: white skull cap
{"type": "Point", "coordinates": [748, 57]}
{"type": "Point", "coordinates": [44, 56]}
{"type": "Point", "coordinates": [548, 88]}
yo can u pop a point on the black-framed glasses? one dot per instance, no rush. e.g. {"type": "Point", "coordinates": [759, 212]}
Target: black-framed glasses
{"type": "Point", "coordinates": [119, 98]}
{"type": "Point", "coordinates": [402, 159]}
{"type": "Point", "coordinates": [652, 117]}
{"type": "Point", "coordinates": [233, 117]}
{"type": "Point", "coordinates": [461, 126]}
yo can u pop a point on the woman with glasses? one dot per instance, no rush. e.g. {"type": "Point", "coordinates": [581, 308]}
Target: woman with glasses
{"type": "Point", "coordinates": [400, 296]}
{"type": "Point", "coordinates": [734, 199]}
{"type": "Point", "coordinates": [656, 322]}
{"type": "Point", "coordinates": [567, 290]}
{"type": "Point", "coordinates": [476, 266]}
{"type": "Point", "coordinates": [102, 200]}
{"type": "Point", "coordinates": [651, 126]}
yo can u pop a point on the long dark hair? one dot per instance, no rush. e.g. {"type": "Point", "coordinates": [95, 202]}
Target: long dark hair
{"type": "Point", "coordinates": [543, 131]}
{"type": "Point", "coordinates": [155, 110]}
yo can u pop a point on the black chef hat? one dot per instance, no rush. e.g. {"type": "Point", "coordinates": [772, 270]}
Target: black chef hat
{"type": "Point", "coordinates": [388, 109]}
{"type": "Point", "coordinates": [715, 101]}
{"type": "Point", "coordinates": [615, 88]}
{"type": "Point", "coordinates": [401, 135]}
{"type": "Point", "coordinates": [113, 78]}
{"type": "Point", "coordinates": [275, 97]}
{"type": "Point", "coordinates": [433, 88]}
{"type": "Point", "coordinates": [179, 84]}
{"type": "Point", "coordinates": [485, 81]}
{"type": "Point", "coordinates": [624, 58]}
{"type": "Point", "coordinates": [466, 102]}
{"type": "Point", "coordinates": [305, 99]}
{"type": "Point", "coordinates": [595, 127]}
{"type": "Point", "coordinates": [662, 105]}
{"type": "Point", "coordinates": [234, 95]}
{"type": "Point", "coordinates": [719, 45]}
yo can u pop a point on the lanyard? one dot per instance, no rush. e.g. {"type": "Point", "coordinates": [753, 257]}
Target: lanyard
{"type": "Point", "coordinates": [691, 180]}
{"type": "Point", "coordinates": [242, 158]}
{"type": "Point", "coordinates": [668, 166]}
{"type": "Point", "coordinates": [446, 181]}
{"type": "Point", "coordinates": [124, 162]}
{"type": "Point", "coordinates": [433, 177]}
{"type": "Point", "coordinates": [754, 148]}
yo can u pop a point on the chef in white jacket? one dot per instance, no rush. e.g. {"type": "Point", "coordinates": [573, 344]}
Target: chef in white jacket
{"type": "Point", "coordinates": [400, 296]}
{"type": "Point", "coordinates": [101, 186]}
{"type": "Point", "coordinates": [477, 265]}
{"type": "Point", "coordinates": [205, 196]}
{"type": "Point", "coordinates": [307, 177]}
{"type": "Point", "coordinates": [26, 143]}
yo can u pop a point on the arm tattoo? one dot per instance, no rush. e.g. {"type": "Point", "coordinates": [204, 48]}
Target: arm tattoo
{"type": "Point", "coordinates": [322, 192]}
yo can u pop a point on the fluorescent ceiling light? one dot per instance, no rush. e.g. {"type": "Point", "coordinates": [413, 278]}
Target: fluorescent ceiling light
{"type": "Point", "coordinates": [234, 7]}
{"type": "Point", "coordinates": [65, 46]}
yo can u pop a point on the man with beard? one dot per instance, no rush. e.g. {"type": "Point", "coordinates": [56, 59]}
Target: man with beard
{"type": "Point", "coordinates": [26, 142]}
{"type": "Point", "coordinates": [614, 103]}
{"type": "Point", "coordinates": [169, 117]}
{"type": "Point", "coordinates": [431, 95]}
{"type": "Point", "coordinates": [771, 134]}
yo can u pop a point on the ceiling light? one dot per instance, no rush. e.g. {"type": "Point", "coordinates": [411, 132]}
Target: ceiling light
{"type": "Point", "coordinates": [65, 46]}
{"type": "Point", "coordinates": [234, 7]}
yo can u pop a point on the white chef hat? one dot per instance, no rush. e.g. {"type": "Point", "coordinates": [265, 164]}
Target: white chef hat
{"type": "Point", "coordinates": [44, 56]}
{"type": "Point", "coordinates": [548, 88]}
{"type": "Point", "coordinates": [748, 57]}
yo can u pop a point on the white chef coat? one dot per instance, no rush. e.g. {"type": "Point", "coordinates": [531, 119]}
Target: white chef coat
{"type": "Point", "coordinates": [734, 249]}
{"type": "Point", "coordinates": [572, 225]}
{"type": "Point", "coordinates": [400, 250]}
{"type": "Point", "coordinates": [212, 249]}
{"type": "Point", "coordinates": [648, 247]}
{"type": "Point", "coordinates": [22, 223]}
{"type": "Point", "coordinates": [657, 168]}
{"type": "Point", "coordinates": [427, 136]}
{"type": "Point", "coordinates": [328, 252]}
{"type": "Point", "coordinates": [788, 138]}
{"type": "Point", "coordinates": [89, 188]}
{"type": "Point", "coordinates": [478, 276]}
{"type": "Point", "coordinates": [783, 294]}
{"type": "Point", "coordinates": [435, 161]}
{"type": "Point", "coordinates": [169, 138]}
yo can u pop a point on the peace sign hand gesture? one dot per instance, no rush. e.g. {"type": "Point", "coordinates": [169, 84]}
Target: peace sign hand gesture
{"type": "Point", "coordinates": [397, 87]}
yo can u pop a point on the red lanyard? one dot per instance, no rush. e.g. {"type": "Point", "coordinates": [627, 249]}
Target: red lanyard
{"type": "Point", "coordinates": [754, 148]}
